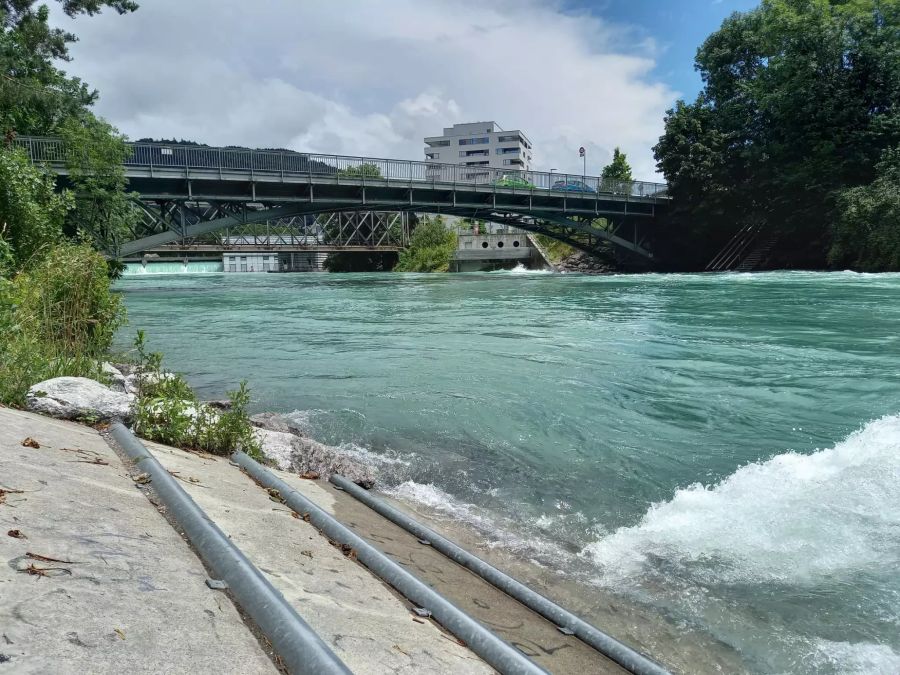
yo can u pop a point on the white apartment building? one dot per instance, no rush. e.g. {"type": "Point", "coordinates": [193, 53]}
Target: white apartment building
{"type": "Point", "coordinates": [480, 144]}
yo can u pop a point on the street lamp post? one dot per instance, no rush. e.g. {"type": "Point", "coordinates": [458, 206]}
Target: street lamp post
{"type": "Point", "coordinates": [583, 153]}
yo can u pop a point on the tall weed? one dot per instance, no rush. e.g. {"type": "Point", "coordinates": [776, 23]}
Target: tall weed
{"type": "Point", "coordinates": [57, 318]}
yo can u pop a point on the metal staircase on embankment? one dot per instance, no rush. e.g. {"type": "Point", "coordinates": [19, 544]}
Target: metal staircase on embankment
{"type": "Point", "coordinates": [536, 245]}
{"type": "Point", "coordinates": [745, 251]}
{"type": "Point", "coordinates": [758, 255]}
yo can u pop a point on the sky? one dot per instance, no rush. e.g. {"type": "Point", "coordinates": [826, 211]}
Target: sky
{"type": "Point", "coordinates": [374, 77]}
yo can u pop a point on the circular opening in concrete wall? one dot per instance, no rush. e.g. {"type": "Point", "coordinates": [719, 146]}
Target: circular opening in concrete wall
{"type": "Point", "coordinates": [499, 244]}
{"type": "Point", "coordinates": [516, 243]}
{"type": "Point", "coordinates": [484, 244]}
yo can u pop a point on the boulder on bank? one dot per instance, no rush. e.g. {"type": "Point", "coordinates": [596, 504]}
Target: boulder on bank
{"type": "Point", "coordinates": [75, 398]}
{"type": "Point", "coordinates": [582, 263]}
{"type": "Point", "coordinates": [275, 422]}
{"type": "Point", "coordinates": [116, 376]}
{"type": "Point", "coordinates": [136, 379]}
{"type": "Point", "coordinates": [290, 452]}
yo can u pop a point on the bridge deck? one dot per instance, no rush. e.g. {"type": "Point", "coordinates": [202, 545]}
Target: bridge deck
{"type": "Point", "coordinates": [214, 188]}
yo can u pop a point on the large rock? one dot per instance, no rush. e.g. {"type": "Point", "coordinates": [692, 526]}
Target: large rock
{"type": "Point", "coordinates": [116, 376]}
{"type": "Point", "coordinates": [290, 452]}
{"type": "Point", "coordinates": [78, 398]}
{"type": "Point", "coordinates": [134, 381]}
{"type": "Point", "coordinates": [275, 422]}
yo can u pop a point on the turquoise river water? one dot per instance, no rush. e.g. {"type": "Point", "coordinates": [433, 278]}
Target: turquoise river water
{"type": "Point", "coordinates": [721, 451]}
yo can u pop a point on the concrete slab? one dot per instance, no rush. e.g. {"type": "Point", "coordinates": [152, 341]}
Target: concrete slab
{"type": "Point", "coordinates": [369, 627]}
{"type": "Point", "coordinates": [531, 633]}
{"type": "Point", "coordinates": [133, 599]}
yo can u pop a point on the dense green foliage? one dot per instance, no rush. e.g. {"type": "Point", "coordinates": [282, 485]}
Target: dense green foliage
{"type": "Point", "coordinates": [31, 212]}
{"type": "Point", "coordinates": [431, 247]}
{"type": "Point", "coordinates": [168, 411]}
{"type": "Point", "coordinates": [57, 312]}
{"type": "Point", "coordinates": [366, 170]}
{"type": "Point", "coordinates": [867, 234]}
{"type": "Point", "coordinates": [57, 318]}
{"type": "Point", "coordinates": [801, 100]}
{"type": "Point", "coordinates": [556, 250]}
{"type": "Point", "coordinates": [618, 168]}
{"type": "Point", "coordinates": [38, 99]}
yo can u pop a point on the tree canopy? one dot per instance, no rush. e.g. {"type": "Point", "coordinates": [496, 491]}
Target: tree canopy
{"type": "Point", "coordinates": [38, 98]}
{"type": "Point", "coordinates": [618, 168]}
{"type": "Point", "coordinates": [431, 246]}
{"type": "Point", "coordinates": [801, 103]}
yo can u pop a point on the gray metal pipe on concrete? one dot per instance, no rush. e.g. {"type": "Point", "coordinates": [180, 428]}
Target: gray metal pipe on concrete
{"type": "Point", "coordinates": [300, 648]}
{"type": "Point", "coordinates": [622, 654]}
{"type": "Point", "coordinates": [496, 652]}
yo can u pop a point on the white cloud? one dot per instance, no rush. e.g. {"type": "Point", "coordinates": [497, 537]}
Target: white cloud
{"type": "Point", "coordinates": [373, 78]}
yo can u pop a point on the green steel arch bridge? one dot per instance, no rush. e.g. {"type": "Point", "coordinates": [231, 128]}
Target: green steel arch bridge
{"type": "Point", "coordinates": [187, 192]}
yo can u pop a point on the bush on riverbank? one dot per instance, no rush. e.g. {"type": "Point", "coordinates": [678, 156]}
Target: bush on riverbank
{"type": "Point", "coordinates": [168, 411]}
{"type": "Point", "coordinates": [57, 318]}
{"type": "Point", "coordinates": [431, 247]}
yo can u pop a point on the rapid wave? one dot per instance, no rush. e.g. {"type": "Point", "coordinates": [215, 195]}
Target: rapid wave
{"type": "Point", "coordinates": [521, 270]}
{"type": "Point", "coordinates": [792, 519]}
{"type": "Point", "coordinates": [766, 540]}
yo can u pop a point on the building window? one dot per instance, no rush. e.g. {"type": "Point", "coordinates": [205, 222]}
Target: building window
{"type": "Point", "coordinates": [473, 141]}
{"type": "Point", "coordinates": [474, 153]}
{"type": "Point", "coordinates": [232, 267]}
{"type": "Point", "coordinates": [433, 155]}
{"type": "Point", "coordinates": [512, 162]}
{"type": "Point", "coordinates": [477, 163]}
{"type": "Point", "coordinates": [243, 267]}
{"type": "Point", "coordinates": [507, 139]}
{"type": "Point", "coordinates": [507, 151]}
{"type": "Point", "coordinates": [438, 144]}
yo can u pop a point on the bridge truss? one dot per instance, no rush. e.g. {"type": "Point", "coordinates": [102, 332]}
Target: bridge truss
{"type": "Point", "coordinates": [256, 229]}
{"type": "Point", "coordinates": [187, 194]}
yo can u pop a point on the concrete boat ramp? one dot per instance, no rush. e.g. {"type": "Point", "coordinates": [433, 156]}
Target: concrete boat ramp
{"type": "Point", "coordinates": [99, 578]}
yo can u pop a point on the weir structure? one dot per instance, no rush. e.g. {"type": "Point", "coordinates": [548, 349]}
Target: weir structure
{"type": "Point", "coordinates": [188, 192]}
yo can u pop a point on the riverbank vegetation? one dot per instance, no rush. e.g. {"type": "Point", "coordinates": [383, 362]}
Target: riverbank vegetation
{"type": "Point", "coordinates": [58, 312]}
{"type": "Point", "coordinates": [431, 247]}
{"type": "Point", "coordinates": [797, 132]}
{"type": "Point", "coordinates": [168, 411]}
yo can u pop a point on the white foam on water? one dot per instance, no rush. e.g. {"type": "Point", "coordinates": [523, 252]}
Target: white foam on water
{"type": "Point", "coordinates": [172, 267]}
{"type": "Point", "coordinates": [852, 658]}
{"type": "Point", "coordinates": [521, 269]}
{"type": "Point", "coordinates": [793, 519]}
{"type": "Point", "coordinates": [796, 527]}
{"type": "Point", "coordinates": [497, 533]}
{"type": "Point", "coordinates": [389, 458]}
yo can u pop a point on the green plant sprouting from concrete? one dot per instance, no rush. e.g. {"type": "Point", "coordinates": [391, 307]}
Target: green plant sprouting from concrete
{"type": "Point", "coordinates": [167, 410]}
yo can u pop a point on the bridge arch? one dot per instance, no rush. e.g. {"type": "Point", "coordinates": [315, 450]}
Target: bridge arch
{"type": "Point", "coordinates": [189, 221]}
{"type": "Point", "coordinates": [186, 191]}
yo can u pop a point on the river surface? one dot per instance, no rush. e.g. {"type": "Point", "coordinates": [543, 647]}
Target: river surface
{"type": "Point", "coordinates": [722, 451]}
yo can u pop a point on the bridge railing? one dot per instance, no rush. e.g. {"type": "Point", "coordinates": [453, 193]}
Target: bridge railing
{"type": "Point", "coordinates": [365, 169]}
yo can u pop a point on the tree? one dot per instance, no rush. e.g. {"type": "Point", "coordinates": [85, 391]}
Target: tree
{"type": "Point", "coordinates": [35, 95]}
{"type": "Point", "coordinates": [618, 169]}
{"type": "Point", "coordinates": [867, 234]}
{"type": "Point", "coordinates": [367, 170]}
{"type": "Point", "coordinates": [38, 98]}
{"type": "Point", "coordinates": [431, 246]}
{"type": "Point", "coordinates": [800, 100]}
{"type": "Point", "coordinates": [31, 212]}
